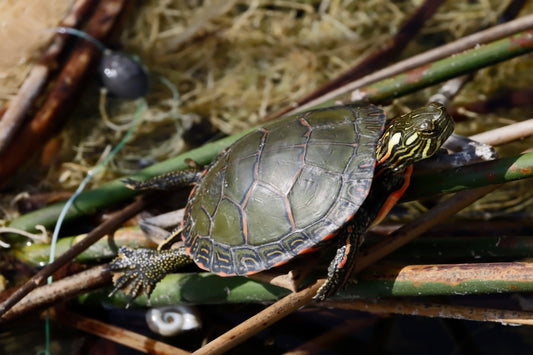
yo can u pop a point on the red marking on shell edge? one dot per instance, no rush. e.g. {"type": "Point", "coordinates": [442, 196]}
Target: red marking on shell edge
{"type": "Point", "coordinates": [525, 170]}
{"type": "Point", "coordinates": [416, 74]}
{"type": "Point", "coordinates": [279, 263]}
{"type": "Point", "coordinates": [330, 235]}
{"type": "Point", "coordinates": [308, 250]}
{"type": "Point", "coordinates": [223, 274]}
{"type": "Point", "coordinates": [349, 218]}
{"type": "Point", "coordinates": [199, 264]}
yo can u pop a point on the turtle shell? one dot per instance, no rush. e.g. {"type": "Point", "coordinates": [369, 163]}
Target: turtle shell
{"type": "Point", "coordinates": [282, 189]}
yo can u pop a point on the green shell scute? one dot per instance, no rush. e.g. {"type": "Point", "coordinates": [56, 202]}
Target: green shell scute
{"type": "Point", "coordinates": [263, 233]}
{"type": "Point", "coordinates": [311, 198]}
{"type": "Point", "coordinates": [282, 189]}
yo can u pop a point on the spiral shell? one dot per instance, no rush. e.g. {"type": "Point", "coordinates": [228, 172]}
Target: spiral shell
{"type": "Point", "coordinates": [172, 320]}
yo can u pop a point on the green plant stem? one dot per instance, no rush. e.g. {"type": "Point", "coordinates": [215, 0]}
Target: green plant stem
{"type": "Point", "coordinates": [38, 254]}
{"type": "Point", "coordinates": [467, 177]}
{"type": "Point", "coordinates": [440, 71]}
{"type": "Point", "coordinates": [198, 288]}
{"type": "Point", "coordinates": [443, 279]}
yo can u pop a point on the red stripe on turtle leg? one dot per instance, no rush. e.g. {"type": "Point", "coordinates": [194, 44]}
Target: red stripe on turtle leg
{"type": "Point", "coordinates": [342, 264]}
{"type": "Point", "coordinates": [352, 247]}
{"type": "Point", "coordinates": [348, 248]}
{"type": "Point", "coordinates": [393, 197]}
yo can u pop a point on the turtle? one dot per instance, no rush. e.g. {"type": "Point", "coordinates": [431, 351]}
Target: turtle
{"type": "Point", "coordinates": [294, 185]}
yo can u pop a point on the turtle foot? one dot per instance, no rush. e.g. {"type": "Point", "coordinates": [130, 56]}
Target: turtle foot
{"type": "Point", "coordinates": [138, 271]}
{"type": "Point", "coordinates": [328, 289]}
{"type": "Point", "coordinates": [132, 272]}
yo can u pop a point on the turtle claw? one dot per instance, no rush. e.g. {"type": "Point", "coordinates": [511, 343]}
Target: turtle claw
{"type": "Point", "coordinates": [132, 272]}
{"type": "Point", "coordinates": [337, 274]}
{"type": "Point", "coordinates": [327, 289]}
{"type": "Point", "coordinates": [120, 283]}
{"type": "Point", "coordinates": [132, 184]}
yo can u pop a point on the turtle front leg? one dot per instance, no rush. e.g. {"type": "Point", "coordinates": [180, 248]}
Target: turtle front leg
{"type": "Point", "coordinates": [138, 271]}
{"type": "Point", "coordinates": [341, 266]}
{"type": "Point", "coordinates": [178, 178]}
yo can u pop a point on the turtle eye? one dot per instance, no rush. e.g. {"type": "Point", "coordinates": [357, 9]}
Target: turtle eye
{"type": "Point", "coordinates": [426, 126]}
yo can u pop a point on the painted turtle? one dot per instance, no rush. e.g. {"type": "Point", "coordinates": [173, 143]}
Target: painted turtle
{"type": "Point", "coordinates": [287, 188]}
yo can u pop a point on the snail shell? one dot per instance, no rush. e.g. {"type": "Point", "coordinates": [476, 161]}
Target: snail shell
{"type": "Point", "coordinates": [172, 320]}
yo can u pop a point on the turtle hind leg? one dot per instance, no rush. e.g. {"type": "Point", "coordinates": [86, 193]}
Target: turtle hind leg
{"type": "Point", "coordinates": [341, 266]}
{"type": "Point", "coordinates": [178, 178]}
{"type": "Point", "coordinates": [138, 271]}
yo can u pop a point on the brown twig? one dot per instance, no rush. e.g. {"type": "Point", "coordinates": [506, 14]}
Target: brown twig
{"type": "Point", "coordinates": [436, 310]}
{"type": "Point", "coordinates": [19, 106]}
{"type": "Point", "coordinates": [62, 96]}
{"type": "Point", "coordinates": [103, 229]}
{"type": "Point", "coordinates": [58, 291]}
{"type": "Point", "coordinates": [261, 320]}
{"type": "Point", "coordinates": [119, 335]}
{"type": "Point", "coordinates": [506, 134]}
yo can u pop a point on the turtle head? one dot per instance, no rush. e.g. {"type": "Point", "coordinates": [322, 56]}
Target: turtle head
{"type": "Point", "coordinates": [414, 136]}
